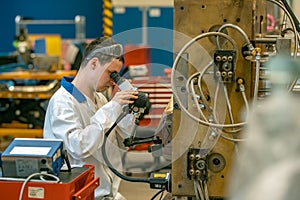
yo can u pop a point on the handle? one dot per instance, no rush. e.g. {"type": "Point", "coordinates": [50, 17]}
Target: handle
{"type": "Point", "coordinates": [86, 190]}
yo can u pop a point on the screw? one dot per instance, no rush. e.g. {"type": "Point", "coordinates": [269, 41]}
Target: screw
{"type": "Point", "coordinates": [191, 172]}
{"type": "Point", "coordinates": [192, 156]}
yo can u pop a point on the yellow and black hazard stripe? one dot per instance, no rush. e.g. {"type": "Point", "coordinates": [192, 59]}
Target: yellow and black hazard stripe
{"type": "Point", "coordinates": [107, 18]}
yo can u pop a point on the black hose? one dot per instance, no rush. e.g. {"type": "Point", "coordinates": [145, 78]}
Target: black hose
{"type": "Point", "coordinates": [155, 195]}
{"type": "Point", "coordinates": [294, 18]}
{"type": "Point", "coordinates": [108, 163]}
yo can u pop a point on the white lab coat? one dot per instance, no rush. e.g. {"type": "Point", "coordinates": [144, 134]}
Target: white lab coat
{"type": "Point", "coordinates": [81, 124]}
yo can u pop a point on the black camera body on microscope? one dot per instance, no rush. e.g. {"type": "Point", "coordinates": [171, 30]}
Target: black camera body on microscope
{"type": "Point", "coordinates": [142, 104]}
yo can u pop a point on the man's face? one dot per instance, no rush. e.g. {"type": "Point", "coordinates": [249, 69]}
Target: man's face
{"type": "Point", "coordinates": [105, 81]}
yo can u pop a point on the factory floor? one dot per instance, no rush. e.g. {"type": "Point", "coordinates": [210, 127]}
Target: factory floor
{"type": "Point", "coordinates": [140, 165]}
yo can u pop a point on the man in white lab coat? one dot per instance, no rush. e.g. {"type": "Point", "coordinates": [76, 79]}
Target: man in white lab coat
{"type": "Point", "coordinates": [80, 114]}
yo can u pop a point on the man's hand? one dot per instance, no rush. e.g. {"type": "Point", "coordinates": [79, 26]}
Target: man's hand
{"type": "Point", "coordinates": [125, 97]}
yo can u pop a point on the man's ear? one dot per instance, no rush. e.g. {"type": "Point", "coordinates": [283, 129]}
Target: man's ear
{"type": "Point", "coordinates": [93, 62]}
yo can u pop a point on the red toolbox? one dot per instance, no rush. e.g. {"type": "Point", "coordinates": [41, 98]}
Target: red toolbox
{"type": "Point", "coordinates": [80, 183]}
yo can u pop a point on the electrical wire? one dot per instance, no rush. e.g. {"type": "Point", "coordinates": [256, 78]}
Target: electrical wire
{"type": "Point", "coordinates": [191, 90]}
{"type": "Point", "coordinates": [109, 165]}
{"type": "Point", "coordinates": [215, 103]}
{"type": "Point", "coordinates": [209, 142]}
{"type": "Point", "coordinates": [202, 97]}
{"type": "Point", "coordinates": [232, 139]}
{"type": "Point", "coordinates": [257, 58]}
{"type": "Point", "coordinates": [201, 91]}
{"type": "Point", "coordinates": [218, 132]}
{"type": "Point", "coordinates": [294, 18]}
{"type": "Point", "coordinates": [203, 122]}
{"type": "Point", "coordinates": [229, 108]}
{"type": "Point", "coordinates": [197, 193]}
{"type": "Point", "coordinates": [156, 194]}
{"type": "Point", "coordinates": [173, 79]}
{"type": "Point", "coordinates": [200, 190]}
{"type": "Point", "coordinates": [284, 26]}
{"type": "Point", "coordinates": [236, 28]}
{"type": "Point", "coordinates": [230, 117]}
{"type": "Point", "coordinates": [213, 134]}
{"type": "Point", "coordinates": [201, 74]}
{"type": "Point", "coordinates": [224, 130]}
{"type": "Point", "coordinates": [162, 194]}
{"type": "Point", "coordinates": [256, 81]}
{"type": "Point", "coordinates": [107, 161]}
{"type": "Point", "coordinates": [235, 130]}
{"type": "Point", "coordinates": [205, 188]}
{"type": "Point", "coordinates": [215, 114]}
{"type": "Point", "coordinates": [242, 90]}
{"type": "Point", "coordinates": [190, 82]}
{"type": "Point", "coordinates": [41, 177]}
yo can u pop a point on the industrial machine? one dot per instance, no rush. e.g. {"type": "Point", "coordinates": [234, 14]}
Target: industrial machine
{"type": "Point", "coordinates": [220, 73]}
